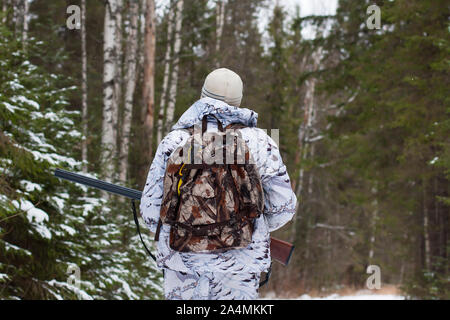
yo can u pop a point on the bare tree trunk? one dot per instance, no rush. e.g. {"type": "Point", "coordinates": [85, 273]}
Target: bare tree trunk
{"type": "Point", "coordinates": [298, 153]}
{"type": "Point", "coordinates": [311, 175]}
{"type": "Point", "coordinates": [84, 93]}
{"type": "Point", "coordinates": [308, 118]}
{"type": "Point", "coordinates": [220, 20]}
{"type": "Point", "coordinates": [25, 12]}
{"type": "Point", "coordinates": [426, 234]}
{"type": "Point", "coordinates": [300, 157]}
{"type": "Point", "coordinates": [304, 135]}
{"type": "Point", "coordinates": [130, 86]}
{"type": "Point", "coordinates": [4, 10]}
{"type": "Point", "coordinates": [141, 50]}
{"type": "Point", "coordinates": [402, 272]}
{"type": "Point", "coordinates": [17, 9]}
{"type": "Point", "coordinates": [149, 75]}
{"type": "Point", "coordinates": [167, 57]}
{"type": "Point", "coordinates": [373, 224]}
{"type": "Point", "coordinates": [174, 80]}
{"type": "Point", "coordinates": [110, 107]}
{"type": "Point", "coordinates": [118, 83]}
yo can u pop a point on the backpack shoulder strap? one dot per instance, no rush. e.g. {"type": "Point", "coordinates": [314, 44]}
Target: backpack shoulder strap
{"type": "Point", "coordinates": [236, 125]}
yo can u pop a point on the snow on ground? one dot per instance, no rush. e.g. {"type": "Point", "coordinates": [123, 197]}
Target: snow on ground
{"type": "Point", "coordinates": [358, 296]}
{"type": "Point", "coordinates": [389, 293]}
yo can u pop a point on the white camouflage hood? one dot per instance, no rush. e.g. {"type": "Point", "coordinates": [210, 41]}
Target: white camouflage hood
{"type": "Point", "coordinates": [225, 113]}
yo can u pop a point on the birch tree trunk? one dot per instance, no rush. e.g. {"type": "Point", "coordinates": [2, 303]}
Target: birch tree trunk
{"type": "Point", "coordinates": [300, 132]}
{"type": "Point", "coordinates": [4, 10]}
{"type": "Point", "coordinates": [174, 78]}
{"type": "Point", "coordinates": [220, 19]}
{"type": "Point", "coordinates": [141, 36]}
{"type": "Point", "coordinates": [130, 86]}
{"type": "Point", "coordinates": [17, 5]}
{"type": "Point", "coordinates": [308, 119]}
{"type": "Point", "coordinates": [304, 135]}
{"type": "Point", "coordinates": [311, 175]}
{"type": "Point", "coordinates": [301, 154]}
{"type": "Point", "coordinates": [25, 12]}
{"type": "Point", "coordinates": [167, 58]}
{"type": "Point", "coordinates": [373, 224]}
{"type": "Point", "coordinates": [84, 94]}
{"type": "Point", "coordinates": [426, 234]}
{"type": "Point", "coordinates": [110, 107]}
{"type": "Point", "coordinates": [118, 82]}
{"type": "Point", "coordinates": [149, 75]}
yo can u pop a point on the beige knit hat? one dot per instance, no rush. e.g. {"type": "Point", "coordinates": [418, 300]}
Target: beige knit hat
{"type": "Point", "coordinates": [224, 84]}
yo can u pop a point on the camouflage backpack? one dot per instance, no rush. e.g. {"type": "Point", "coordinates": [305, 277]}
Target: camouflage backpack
{"type": "Point", "coordinates": [212, 192]}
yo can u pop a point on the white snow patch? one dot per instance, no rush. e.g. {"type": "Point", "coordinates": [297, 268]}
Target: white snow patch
{"type": "Point", "coordinates": [67, 121]}
{"type": "Point", "coordinates": [51, 116]}
{"type": "Point", "coordinates": [35, 216]}
{"type": "Point", "coordinates": [74, 134]}
{"type": "Point", "coordinates": [64, 195]}
{"type": "Point", "coordinates": [33, 213]}
{"type": "Point", "coordinates": [3, 277]}
{"type": "Point", "coordinates": [68, 229]}
{"type": "Point", "coordinates": [15, 85]}
{"type": "Point", "coordinates": [435, 159]}
{"type": "Point", "coordinates": [75, 112]}
{"type": "Point", "coordinates": [6, 161]}
{"type": "Point", "coordinates": [42, 230]}
{"type": "Point", "coordinates": [63, 102]}
{"type": "Point", "coordinates": [126, 287]}
{"type": "Point", "coordinates": [52, 158]}
{"type": "Point", "coordinates": [27, 101]}
{"type": "Point", "coordinates": [36, 115]}
{"type": "Point", "coordinates": [9, 246]}
{"type": "Point", "coordinates": [30, 186]}
{"type": "Point", "coordinates": [39, 140]}
{"type": "Point", "coordinates": [105, 243]}
{"type": "Point", "coordinates": [10, 107]}
{"type": "Point", "coordinates": [59, 202]}
{"type": "Point", "coordinates": [82, 295]}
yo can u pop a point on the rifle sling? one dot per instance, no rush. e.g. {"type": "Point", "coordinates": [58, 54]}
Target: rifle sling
{"type": "Point", "coordinates": [136, 221]}
{"type": "Point", "coordinates": [269, 272]}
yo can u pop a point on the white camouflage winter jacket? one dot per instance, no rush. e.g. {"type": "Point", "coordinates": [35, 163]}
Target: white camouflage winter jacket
{"type": "Point", "coordinates": [280, 200]}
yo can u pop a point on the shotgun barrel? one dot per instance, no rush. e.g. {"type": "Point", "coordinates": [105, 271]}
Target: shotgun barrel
{"type": "Point", "coordinates": [99, 184]}
{"type": "Point", "coordinates": [280, 250]}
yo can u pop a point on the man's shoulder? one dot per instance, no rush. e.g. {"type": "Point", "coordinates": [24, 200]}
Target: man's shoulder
{"type": "Point", "coordinates": [257, 135]}
{"type": "Point", "coordinates": [175, 135]}
{"type": "Point", "coordinates": [173, 139]}
{"type": "Point", "coordinates": [248, 130]}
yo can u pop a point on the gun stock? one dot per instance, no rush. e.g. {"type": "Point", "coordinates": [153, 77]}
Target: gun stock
{"type": "Point", "coordinates": [280, 250]}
